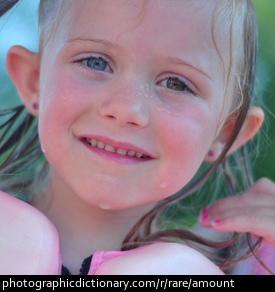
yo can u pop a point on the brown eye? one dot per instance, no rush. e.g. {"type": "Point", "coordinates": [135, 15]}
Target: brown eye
{"type": "Point", "coordinates": [176, 84]}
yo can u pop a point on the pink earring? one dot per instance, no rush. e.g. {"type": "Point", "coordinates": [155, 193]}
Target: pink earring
{"type": "Point", "coordinates": [35, 105]}
{"type": "Point", "coordinates": [211, 153]}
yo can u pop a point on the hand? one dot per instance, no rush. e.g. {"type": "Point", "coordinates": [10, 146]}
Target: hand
{"type": "Point", "coordinates": [253, 211]}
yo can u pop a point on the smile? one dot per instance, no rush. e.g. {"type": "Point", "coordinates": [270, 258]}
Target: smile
{"type": "Point", "coordinates": [123, 152]}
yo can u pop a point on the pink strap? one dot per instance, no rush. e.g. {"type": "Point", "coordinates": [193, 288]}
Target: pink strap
{"type": "Point", "coordinates": [101, 256]}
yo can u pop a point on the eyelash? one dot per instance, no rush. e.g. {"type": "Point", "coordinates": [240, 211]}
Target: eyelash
{"type": "Point", "coordinates": [94, 58]}
{"type": "Point", "coordinates": [186, 89]}
{"type": "Point", "coordinates": [181, 82]}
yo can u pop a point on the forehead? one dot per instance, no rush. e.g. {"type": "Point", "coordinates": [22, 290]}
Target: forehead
{"type": "Point", "coordinates": [178, 28]}
{"type": "Point", "coordinates": [166, 26]}
{"type": "Point", "coordinates": [128, 11]}
{"type": "Point", "coordinates": [157, 19]}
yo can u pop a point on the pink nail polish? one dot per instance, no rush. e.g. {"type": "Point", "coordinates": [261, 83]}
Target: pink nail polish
{"type": "Point", "coordinates": [204, 215]}
{"type": "Point", "coordinates": [217, 222]}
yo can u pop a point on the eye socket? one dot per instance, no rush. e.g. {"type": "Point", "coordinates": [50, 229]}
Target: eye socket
{"type": "Point", "coordinates": [98, 64]}
{"type": "Point", "coordinates": [95, 63]}
{"type": "Point", "coordinates": [176, 84]}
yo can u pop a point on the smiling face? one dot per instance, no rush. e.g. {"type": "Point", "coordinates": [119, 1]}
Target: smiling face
{"type": "Point", "coordinates": [131, 99]}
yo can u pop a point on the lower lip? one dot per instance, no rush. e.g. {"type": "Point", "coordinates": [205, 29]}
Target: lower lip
{"type": "Point", "coordinates": [121, 159]}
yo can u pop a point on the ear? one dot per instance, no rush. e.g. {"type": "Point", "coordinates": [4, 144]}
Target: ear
{"type": "Point", "coordinates": [23, 68]}
{"type": "Point", "coordinates": [253, 122]}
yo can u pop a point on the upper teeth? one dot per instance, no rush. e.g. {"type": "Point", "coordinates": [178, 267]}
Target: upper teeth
{"type": "Point", "coordinates": [109, 148]}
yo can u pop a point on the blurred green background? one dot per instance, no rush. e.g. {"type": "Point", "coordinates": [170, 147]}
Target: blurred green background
{"type": "Point", "coordinates": [20, 27]}
{"type": "Point", "coordinates": [264, 165]}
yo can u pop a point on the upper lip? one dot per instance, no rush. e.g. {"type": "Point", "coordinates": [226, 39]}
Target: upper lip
{"type": "Point", "coordinates": [119, 145]}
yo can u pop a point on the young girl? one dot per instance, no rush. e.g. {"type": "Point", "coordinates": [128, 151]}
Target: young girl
{"type": "Point", "coordinates": [132, 97]}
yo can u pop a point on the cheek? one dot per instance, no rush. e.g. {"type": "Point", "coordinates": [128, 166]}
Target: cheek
{"type": "Point", "coordinates": [186, 140]}
{"type": "Point", "coordinates": [57, 99]}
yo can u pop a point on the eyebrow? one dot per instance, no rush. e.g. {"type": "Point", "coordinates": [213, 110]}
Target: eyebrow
{"type": "Point", "coordinates": [178, 61]}
{"type": "Point", "coordinates": [99, 41]}
{"type": "Point", "coordinates": [174, 60]}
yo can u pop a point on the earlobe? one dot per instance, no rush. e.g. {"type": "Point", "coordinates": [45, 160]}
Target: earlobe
{"type": "Point", "coordinates": [215, 151]}
{"type": "Point", "coordinates": [23, 68]}
{"type": "Point", "coordinates": [253, 122]}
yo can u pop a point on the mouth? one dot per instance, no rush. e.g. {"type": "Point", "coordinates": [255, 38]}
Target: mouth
{"type": "Point", "coordinates": [126, 152]}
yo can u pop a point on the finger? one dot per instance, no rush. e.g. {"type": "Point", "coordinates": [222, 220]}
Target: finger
{"type": "Point", "coordinates": [244, 211]}
{"type": "Point", "coordinates": [247, 199]}
{"type": "Point", "coordinates": [263, 185]}
{"type": "Point", "coordinates": [206, 218]}
{"type": "Point", "coordinates": [262, 193]}
{"type": "Point", "coordinates": [262, 226]}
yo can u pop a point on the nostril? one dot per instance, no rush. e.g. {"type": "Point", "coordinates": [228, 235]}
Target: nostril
{"type": "Point", "coordinates": [132, 123]}
{"type": "Point", "coordinates": [111, 117]}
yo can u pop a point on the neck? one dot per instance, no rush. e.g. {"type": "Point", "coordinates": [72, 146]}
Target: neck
{"type": "Point", "coordinates": [84, 229]}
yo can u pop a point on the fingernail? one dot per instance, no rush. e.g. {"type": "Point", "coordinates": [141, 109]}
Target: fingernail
{"type": "Point", "coordinates": [204, 215]}
{"type": "Point", "coordinates": [216, 222]}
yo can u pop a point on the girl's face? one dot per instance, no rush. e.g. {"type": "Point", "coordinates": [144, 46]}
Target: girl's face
{"type": "Point", "coordinates": [131, 98]}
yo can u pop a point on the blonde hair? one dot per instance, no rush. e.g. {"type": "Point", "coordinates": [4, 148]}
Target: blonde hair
{"type": "Point", "coordinates": [239, 16]}
{"type": "Point", "coordinates": [50, 15]}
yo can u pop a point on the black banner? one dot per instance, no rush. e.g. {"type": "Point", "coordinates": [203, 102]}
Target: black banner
{"type": "Point", "coordinates": [124, 283]}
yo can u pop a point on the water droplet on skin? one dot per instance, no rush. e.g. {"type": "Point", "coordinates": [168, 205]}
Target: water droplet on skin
{"type": "Point", "coordinates": [43, 149]}
{"type": "Point", "coordinates": [144, 91]}
{"type": "Point", "coordinates": [163, 185]}
{"type": "Point", "coordinates": [163, 110]}
{"type": "Point", "coordinates": [104, 207]}
{"type": "Point", "coordinates": [166, 111]}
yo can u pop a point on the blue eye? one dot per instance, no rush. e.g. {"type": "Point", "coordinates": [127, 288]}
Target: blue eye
{"type": "Point", "coordinates": [98, 64]}
{"type": "Point", "coordinates": [94, 63]}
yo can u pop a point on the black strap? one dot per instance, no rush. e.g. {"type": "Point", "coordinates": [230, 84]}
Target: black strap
{"type": "Point", "coordinates": [85, 267]}
{"type": "Point", "coordinates": [65, 271]}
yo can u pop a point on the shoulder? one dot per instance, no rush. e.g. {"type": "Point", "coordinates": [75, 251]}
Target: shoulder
{"type": "Point", "coordinates": [29, 241]}
{"type": "Point", "coordinates": [160, 259]}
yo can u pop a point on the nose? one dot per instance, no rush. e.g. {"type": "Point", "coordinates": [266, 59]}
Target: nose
{"type": "Point", "coordinates": [126, 107]}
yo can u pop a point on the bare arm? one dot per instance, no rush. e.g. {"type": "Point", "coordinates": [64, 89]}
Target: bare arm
{"type": "Point", "coordinates": [28, 241]}
{"type": "Point", "coordinates": [160, 259]}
